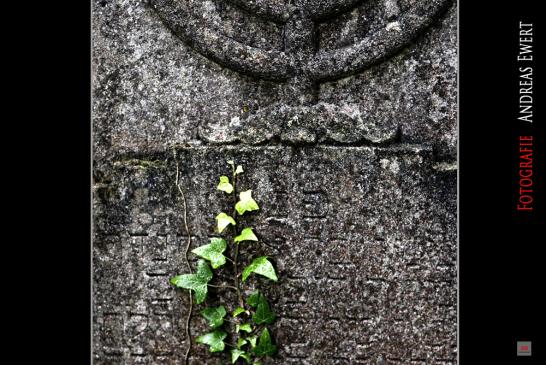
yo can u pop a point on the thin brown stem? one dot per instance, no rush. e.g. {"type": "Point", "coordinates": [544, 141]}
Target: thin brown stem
{"type": "Point", "coordinates": [236, 248]}
{"type": "Point", "coordinates": [258, 328]}
{"type": "Point", "coordinates": [222, 286]}
{"type": "Point", "coordinates": [188, 245]}
{"type": "Point", "coordinates": [238, 287]}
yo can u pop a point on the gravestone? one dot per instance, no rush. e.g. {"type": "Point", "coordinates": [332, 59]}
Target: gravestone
{"type": "Point", "coordinates": [343, 114]}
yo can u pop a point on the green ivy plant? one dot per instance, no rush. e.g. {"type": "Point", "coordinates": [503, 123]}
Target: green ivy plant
{"type": "Point", "coordinates": [240, 328]}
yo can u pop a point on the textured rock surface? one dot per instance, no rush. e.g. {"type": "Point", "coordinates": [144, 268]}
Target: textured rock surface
{"type": "Point", "coordinates": [151, 90]}
{"type": "Point", "coordinates": [363, 240]}
{"type": "Point", "coordinates": [354, 175]}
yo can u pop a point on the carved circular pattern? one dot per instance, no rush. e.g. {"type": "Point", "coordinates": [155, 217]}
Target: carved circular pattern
{"type": "Point", "coordinates": [281, 10]}
{"type": "Point", "coordinates": [187, 20]}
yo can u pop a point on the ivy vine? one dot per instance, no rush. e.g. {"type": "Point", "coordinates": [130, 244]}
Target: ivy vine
{"type": "Point", "coordinates": [245, 322]}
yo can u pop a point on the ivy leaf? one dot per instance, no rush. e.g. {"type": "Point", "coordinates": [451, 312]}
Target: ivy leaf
{"type": "Point", "coordinates": [238, 311]}
{"type": "Point", "coordinates": [252, 340]}
{"type": "Point", "coordinates": [241, 342]}
{"type": "Point", "coordinates": [224, 185]}
{"type": "Point", "coordinates": [243, 327]}
{"type": "Point", "coordinates": [204, 272]}
{"type": "Point", "coordinates": [265, 347]}
{"type": "Point", "coordinates": [223, 220]}
{"type": "Point", "coordinates": [215, 315]}
{"type": "Point", "coordinates": [253, 299]}
{"type": "Point", "coordinates": [213, 252]}
{"type": "Point", "coordinates": [214, 339]}
{"type": "Point", "coordinates": [263, 312]}
{"type": "Point", "coordinates": [246, 203]}
{"type": "Point", "coordinates": [239, 170]}
{"type": "Point", "coordinates": [196, 282]}
{"type": "Point", "coordinates": [230, 162]}
{"type": "Point", "coordinates": [246, 235]}
{"type": "Point", "coordinates": [236, 353]}
{"type": "Point", "coordinates": [262, 267]}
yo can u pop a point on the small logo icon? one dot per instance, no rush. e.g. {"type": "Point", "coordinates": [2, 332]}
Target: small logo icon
{"type": "Point", "coordinates": [524, 348]}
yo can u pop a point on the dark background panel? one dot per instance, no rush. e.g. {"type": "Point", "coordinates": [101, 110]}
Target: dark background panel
{"type": "Point", "coordinates": [500, 261]}
{"type": "Point", "coordinates": [58, 117]}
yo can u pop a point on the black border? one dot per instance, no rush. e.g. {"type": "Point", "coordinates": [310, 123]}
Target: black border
{"type": "Point", "coordinates": [500, 299]}
{"type": "Point", "coordinates": [57, 103]}
{"type": "Point", "coordinates": [78, 95]}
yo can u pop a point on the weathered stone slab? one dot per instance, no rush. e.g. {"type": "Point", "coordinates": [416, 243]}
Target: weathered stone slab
{"type": "Point", "coordinates": [344, 116]}
{"type": "Point", "coordinates": [363, 239]}
{"type": "Point", "coordinates": [153, 88]}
